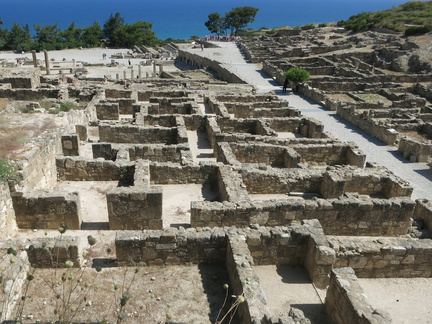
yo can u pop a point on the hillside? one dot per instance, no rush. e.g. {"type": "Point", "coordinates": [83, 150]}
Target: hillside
{"type": "Point", "coordinates": [406, 17]}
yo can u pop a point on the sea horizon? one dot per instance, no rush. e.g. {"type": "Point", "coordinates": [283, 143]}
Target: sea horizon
{"type": "Point", "coordinates": [181, 20]}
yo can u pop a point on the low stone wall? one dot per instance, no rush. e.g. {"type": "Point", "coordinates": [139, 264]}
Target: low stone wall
{"type": "Point", "coordinates": [145, 95]}
{"type": "Point", "coordinates": [346, 303]}
{"type": "Point", "coordinates": [117, 93]}
{"type": "Point", "coordinates": [14, 278]}
{"type": "Point", "coordinates": [107, 111]}
{"type": "Point", "coordinates": [31, 94]}
{"type": "Point", "coordinates": [172, 173]}
{"type": "Point", "coordinates": [135, 208]}
{"type": "Point", "coordinates": [171, 247]}
{"type": "Point", "coordinates": [239, 249]}
{"type": "Point", "coordinates": [23, 82]}
{"type": "Point", "coordinates": [423, 211]}
{"type": "Point", "coordinates": [157, 153]}
{"type": "Point", "coordinates": [415, 150]}
{"type": "Point", "coordinates": [384, 257]}
{"type": "Point", "coordinates": [199, 61]}
{"type": "Point", "coordinates": [79, 169]}
{"type": "Point", "coordinates": [47, 210]}
{"type": "Point", "coordinates": [342, 216]}
{"type": "Point", "coordinates": [7, 213]}
{"type": "Point", "coordinates": [137, 134]}
{"type": "Point", "coordinates": [54, 252]}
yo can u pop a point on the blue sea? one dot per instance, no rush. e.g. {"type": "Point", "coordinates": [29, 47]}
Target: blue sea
{"type": "Point", "coordinates": [180, 19]}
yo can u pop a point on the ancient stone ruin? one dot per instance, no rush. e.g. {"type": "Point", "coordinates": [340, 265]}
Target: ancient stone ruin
{"type": "Point", "coordinates": [188, 169]}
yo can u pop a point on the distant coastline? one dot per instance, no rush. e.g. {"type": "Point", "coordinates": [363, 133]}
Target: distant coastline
{"type": "Point", "coordinates": [182, 19]}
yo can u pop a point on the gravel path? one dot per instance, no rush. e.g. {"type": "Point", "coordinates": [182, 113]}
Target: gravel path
{"type": "Point", "coordinates": [417, 174]}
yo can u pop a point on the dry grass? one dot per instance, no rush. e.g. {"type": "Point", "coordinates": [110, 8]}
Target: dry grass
{"type": "Point", "coordinates": [17, 130]}
{"type": "Point", "coordinates": [190, 294]}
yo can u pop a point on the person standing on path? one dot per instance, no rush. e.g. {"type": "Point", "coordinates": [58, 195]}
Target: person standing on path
{"type": "Point", "coordinates": [285, 85]}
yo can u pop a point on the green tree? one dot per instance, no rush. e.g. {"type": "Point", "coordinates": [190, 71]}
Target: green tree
{"type": "Point", "coordinates": [19, 38]}
{"type": "Point", "coordinates": [112, 25]}
{"type": "Point", "coordinates": [72, 37]}
{"type": "Point", "coordinates": [47, 37]}
{"type": "Point", "coordinates": [214, 23]}
{"type": "Point", "coordinates": [3, 35]}
{"type": "Point", "coordinates": [296, 75]}
{"type": "Point", "coordinates": [139, 33]}
{"type": "Point", "coordinates": [238, 18]}
{"type": "Point", "coordinates": [92, 35]}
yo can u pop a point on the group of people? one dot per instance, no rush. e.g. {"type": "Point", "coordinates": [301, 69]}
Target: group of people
{"type": "Point", "coordinates": [222, 38]}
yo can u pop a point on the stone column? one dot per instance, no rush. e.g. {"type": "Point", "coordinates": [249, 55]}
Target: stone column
{"type": "Point", "coordinates": [35, 64]}
{"type": "Point", "coordinates": [124, 75]}
{"type": "Point", "coordinates": [154, 69]}
{"type": "Point", "coordinates": [139, 72]}
{"type": "Point", "coordinates": [132, 74]}
{"type": "Point", "coordinates": [47, 65]}
{"type": "Point", "coordinates": [160, 68]}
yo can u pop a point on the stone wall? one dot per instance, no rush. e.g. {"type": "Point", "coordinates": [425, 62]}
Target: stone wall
{"type": "Point", "coordinates": [7, 213]}
{"type": "Point", "coordinates": [172, 173]}
{"type": "Point", "coordinates": [135, 208]}
{"type": "Point", "coordinates": [423, 211]}
{"type": "Point", "coordinates": [384, 257]}
{"type": "Point", "coordinates": [47, 210]}
{"type": "Point", "coordinates": [107, 111]}
{"type": "Point", "coordinates": [415, 150]}
{"type": "Point", "coordinates": [79, 169]}
{"type": "Point", "coordinates": [54, 252]}
{"type": "Point", "coordinates": [346, 303]}
{"type": "Point", "coordinates": [117, 93]}
{"type": "Point", "coordinates": [31, 94]}
{"type": "Point", "coordinates": [137, 134]}
{"type": "Point", "coordinates": [157, 153]}
{"type": "Point", "coordinates": [199, 61]}
{"type": "Point", "coordinates": [22, 82]}
{"type": "Point", "coordinates": [239, 249]}
{"type": "Point", "coordinates": [170, 247]}
{"type": "Point", "coordinates": [342, 216]}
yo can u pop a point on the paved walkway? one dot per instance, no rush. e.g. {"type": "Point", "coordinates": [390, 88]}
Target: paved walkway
{"type": "Point", "coordinates": [417, 174]}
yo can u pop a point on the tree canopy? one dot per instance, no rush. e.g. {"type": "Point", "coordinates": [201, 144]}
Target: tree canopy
{"type": "Point", "coordinates": [236, 19]}
{"type": "Point", "coordinates": [114, 33]}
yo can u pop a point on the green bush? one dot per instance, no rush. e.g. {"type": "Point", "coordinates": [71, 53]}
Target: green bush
{"type": "Point", "coordinates": [6, 170]}
{"type": "Point", "coordinates": [323, 25]}
{"type": "Point", "coordinates": [414, 30]}
{"type": "Point", "coordinates": [297, 75]}
{"type": "Point", "coordinates": [308, 26]}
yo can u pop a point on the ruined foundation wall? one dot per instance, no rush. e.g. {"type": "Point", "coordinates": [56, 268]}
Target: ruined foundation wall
{"type": "Point", "coordinates": [415, 150]}
{"type": "Point", "coordinates": [171, 247]}
{"type": "Point", "coordinates": [47, 210]}
{"type": "Point", "coordinates": [385, 257]}
{"type": "Point", "coordinates": [423, 210]}
{"type": "Point", "coordinates": [135, 208]}
{"type": "Point", "coordinates": [7, 213]}
{"type": "Point", "coordinates": [172, 173]}
{"type": "Point", "coordinates": [337, 216]}
{"type": "Point", "coordinates": [137, 135]}
{"type": "Point", "coordinates": [78, 169]}
{"type": "Point", "coordinates": [346, 303]}
{"type": "Point", "coordinates": [200, 61]}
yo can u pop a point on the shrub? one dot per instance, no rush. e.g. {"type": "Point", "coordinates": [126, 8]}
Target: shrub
{"type": "Point", "coordinates": [323, 25]}
{"type": "Point", "coordinates": [414, 30]}
{"type": "Point", "coordinates": [6, 170]}
{"type": "Point", "coordinates": [308, 26]}
{"type": "Point", "coordinates": [297, 75]}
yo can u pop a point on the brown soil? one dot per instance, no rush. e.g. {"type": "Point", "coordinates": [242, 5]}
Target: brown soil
{"type": "Point", "coordinates": [190, 294]}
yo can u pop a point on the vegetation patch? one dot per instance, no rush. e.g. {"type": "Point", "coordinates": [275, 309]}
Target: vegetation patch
{"type": "Point", "coordinates": [401, 18]}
